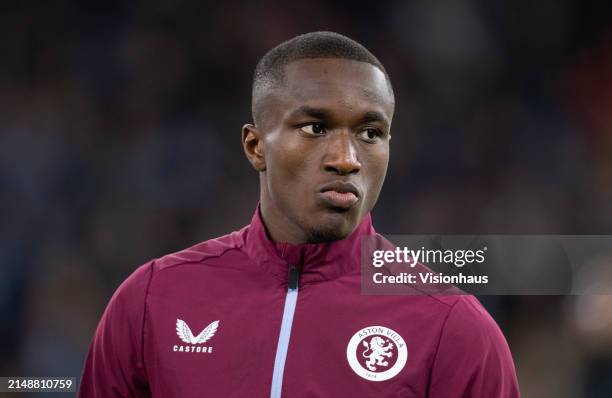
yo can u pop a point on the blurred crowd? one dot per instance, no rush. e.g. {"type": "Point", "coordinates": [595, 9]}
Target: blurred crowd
{"type": "Point", "coordinates": [120, 142]}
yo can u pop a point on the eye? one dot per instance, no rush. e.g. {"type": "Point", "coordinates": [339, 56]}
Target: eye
{"type": "Point", "coordinates": [370, 134]}
{"type": "Point", "coordinates": [313, 129]}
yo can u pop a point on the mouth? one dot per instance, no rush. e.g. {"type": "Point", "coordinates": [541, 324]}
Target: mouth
{"type": "Point", "coordinates": [341, 195]}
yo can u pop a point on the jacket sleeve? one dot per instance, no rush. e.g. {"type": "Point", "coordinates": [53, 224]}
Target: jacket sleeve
{"type": "Point", "coordinates": [473, 359]}
{"type": "Point", "coordinates": [114, 366]}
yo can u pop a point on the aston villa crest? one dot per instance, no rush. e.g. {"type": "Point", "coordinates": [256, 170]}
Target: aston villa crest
{"type": "Point", "coordinates": [377, 353]}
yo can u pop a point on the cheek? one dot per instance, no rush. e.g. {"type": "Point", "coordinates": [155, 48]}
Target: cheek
{"type": "Point", "coordinates": [377, 162]}
{"type": "Point", "coordinates": [288, 162]}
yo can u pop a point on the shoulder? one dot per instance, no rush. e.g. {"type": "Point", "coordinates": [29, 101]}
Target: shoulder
{"type": "Point", "coordinates": [132, 288]}
{"type": "Point", "coordinates": [470, 336]}
{"type": "Point", "coordinates": [467, 319]}
{"type": "Point", "coordinates": [468, 325]}
{"type": "Point", "coordinates": [461, 316]}
{"type": "Point", "coordinates": [207, 253]}
{"type": "Point", "coordinates": [204, 253]}
{"type": "Point", "coordinates": [472, 358]}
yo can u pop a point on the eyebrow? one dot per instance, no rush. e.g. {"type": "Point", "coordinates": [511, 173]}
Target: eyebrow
{"type": "Point", "coordinates": [373, 116]}
{"type": "Point", "coordinates": [310, 111]}
{"type": "Point", "coordinates": [318, 113]}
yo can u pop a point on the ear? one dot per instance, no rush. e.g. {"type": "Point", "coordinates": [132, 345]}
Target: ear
{"type": "Point", "coordinates": [252, 143]}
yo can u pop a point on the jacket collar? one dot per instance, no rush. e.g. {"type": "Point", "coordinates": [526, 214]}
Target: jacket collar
{"type": "Point", "coordinates": [315, 261]}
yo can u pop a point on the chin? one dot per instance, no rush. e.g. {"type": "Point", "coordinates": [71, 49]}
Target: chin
{"type": "Point", "coordinates": [334, 228]}
{"type": "Point", "coordinates": [324, 235]}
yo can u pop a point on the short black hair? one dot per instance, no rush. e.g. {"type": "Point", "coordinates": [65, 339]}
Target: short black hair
{"type": "Point", "coordinates": [270, 68]}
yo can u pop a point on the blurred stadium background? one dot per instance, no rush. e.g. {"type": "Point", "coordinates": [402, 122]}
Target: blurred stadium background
{"type": "Point", "coordinates": [120, 141]}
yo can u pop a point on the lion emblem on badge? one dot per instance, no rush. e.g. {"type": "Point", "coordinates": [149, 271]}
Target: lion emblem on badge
{"type": "Point", "coordinates": [376, 351]}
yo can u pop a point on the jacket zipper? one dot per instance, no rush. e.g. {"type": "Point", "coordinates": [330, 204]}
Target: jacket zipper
{"type": "Point", "coordinates": [285, 332]}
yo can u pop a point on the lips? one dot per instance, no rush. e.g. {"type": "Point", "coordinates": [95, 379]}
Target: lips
{"type": "Point", "coordinates": [340, 194]}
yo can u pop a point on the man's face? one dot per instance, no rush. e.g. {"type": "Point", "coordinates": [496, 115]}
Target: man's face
{"type": "Point", "coordinates": [324, 141]}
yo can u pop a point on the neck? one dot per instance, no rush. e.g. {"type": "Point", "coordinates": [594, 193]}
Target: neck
{"type": "Point", "coordinates": [278, 227]}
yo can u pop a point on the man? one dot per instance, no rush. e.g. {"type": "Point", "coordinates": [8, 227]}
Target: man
{"type": "Point", "coordinates": [275, 309]}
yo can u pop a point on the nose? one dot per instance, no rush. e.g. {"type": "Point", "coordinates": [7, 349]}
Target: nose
{"type": "Point", "coordinates": [341, 154]}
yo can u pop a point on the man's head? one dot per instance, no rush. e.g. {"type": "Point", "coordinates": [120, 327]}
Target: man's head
{"type": "Point", "coordinates": [322, 109]}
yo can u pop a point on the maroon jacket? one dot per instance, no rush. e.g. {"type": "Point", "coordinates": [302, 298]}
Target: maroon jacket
{"type": "Point", "coordinates": [241, 316]}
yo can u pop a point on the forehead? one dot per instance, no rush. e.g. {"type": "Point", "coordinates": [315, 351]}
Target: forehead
{"type": "Point", "coordinates": [336, 82]}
